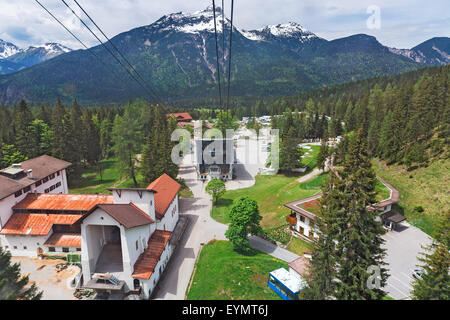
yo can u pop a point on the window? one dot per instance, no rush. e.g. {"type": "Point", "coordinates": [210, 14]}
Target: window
{"type": "Point", "coordinates": [51, 249]}
{"type": "Point", "coordinates": [302, 219]}
{"type": "Point", "coordinates": [58, 185]}
{"type": "Point", "coordinates": [24, 247]}
{"type": "Point", "coordinates": [52, 188]}
{"type": "Point", "coordinates": [137, 245]}
{"type": "Point", "coordinates": [65, 249]}
{"type": "Point", "coordinates": [58, 173]}
{"type": "Point", "coordinates": [45, 180]}
{"type": "Point", "coordinates": [52, 176]}
{"type": "Point", "coordinates": [78, 249]}
{"type": "Point", "coordinates": [302, 230]}
{"type": "Point", "coordinates": [27, 189]}
{"type": "Point", "coordinates": [18, 194]}
{"type": "Point", "coordinates": [15, 247]}
{"type": "Point", "coordinates": [6, 247]}
{"type": "Point", "coordinates": [46, 190]}
{"type": "Point", "coordinates": [38, 183]}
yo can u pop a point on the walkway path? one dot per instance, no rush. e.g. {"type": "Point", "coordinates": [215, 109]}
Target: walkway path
{"type": "Point", "coordinates": [269, 248]}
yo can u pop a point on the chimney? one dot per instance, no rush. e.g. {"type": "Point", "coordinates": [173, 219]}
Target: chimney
{"type": "Point", "coordinates": [30, 173]}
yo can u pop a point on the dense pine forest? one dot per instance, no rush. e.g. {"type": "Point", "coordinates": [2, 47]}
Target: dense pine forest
{"type": "Point", "coordinates": [404, 119]}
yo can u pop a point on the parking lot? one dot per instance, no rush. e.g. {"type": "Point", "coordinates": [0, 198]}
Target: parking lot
{"type": "Point", "coordinates": [55, 285]}
{"type": "Point", "coordinates": [403, 249]}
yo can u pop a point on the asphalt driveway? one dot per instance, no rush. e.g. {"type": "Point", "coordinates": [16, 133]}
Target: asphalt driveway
{"type": "Point", "coordinates": [403, 249]}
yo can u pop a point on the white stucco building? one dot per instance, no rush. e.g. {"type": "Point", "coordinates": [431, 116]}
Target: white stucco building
{"type": "Point", "coordinates": [305, 211]}
{"type": "Point", "coordinates": [214, 158]}
{"type": "Point", "coordinates": [131, 238]}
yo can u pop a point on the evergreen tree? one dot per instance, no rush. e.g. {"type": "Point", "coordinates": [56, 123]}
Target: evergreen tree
{"type": "Point", "coordinates": [323, 152]}
{"type": "Point", "coordinates": [359, 240]}
{"type": "Point", "coordinates": [290, 152]}
{"type": "Point", "coordinates": [23, 119]}
{"type": "Point", "coordinates": [435, 282]}
{"type": "Point", "coordinates": [322, 272]}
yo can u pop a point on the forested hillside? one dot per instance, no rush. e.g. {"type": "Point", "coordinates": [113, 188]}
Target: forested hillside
{"type": "Point", "coordinates": [176, 56]}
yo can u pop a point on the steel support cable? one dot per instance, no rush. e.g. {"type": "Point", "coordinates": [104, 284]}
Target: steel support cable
{"type": "Point", "coordinates": [81, 42]}
{"type": "Point", "coordinates": [217, 52]}
{"type": "Point", "coordinates": [107, 49]}
{"type": "Point", "coordinates": [120, 53]}
{"type": "Point", "coordinates": [229, 61]}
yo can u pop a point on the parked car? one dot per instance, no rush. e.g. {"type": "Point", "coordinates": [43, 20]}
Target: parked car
{"type": "Point", "coordinates": [418, 273]}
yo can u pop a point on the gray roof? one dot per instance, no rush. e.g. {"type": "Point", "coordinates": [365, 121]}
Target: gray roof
{"type": "Point", "coordinates": [42, 167]}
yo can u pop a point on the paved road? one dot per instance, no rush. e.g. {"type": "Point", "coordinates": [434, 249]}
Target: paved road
{"type": "Point", "coordinates": [269, 248]}
{"type": "Point", "coordinates": [403, 248]}
{"type": "Point", "coordinates": [202, 228]}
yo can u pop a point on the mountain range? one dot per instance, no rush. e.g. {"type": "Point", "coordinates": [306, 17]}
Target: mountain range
{"type": "Point", "coordinates": [176, 56]}
{"type": "Point", "coordinates": [13, 59]}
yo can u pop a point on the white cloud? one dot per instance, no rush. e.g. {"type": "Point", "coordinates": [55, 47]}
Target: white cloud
{"type": "Point", "coordinates": [405, 23]}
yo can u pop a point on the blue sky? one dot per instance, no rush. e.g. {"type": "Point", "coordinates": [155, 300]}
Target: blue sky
{"type": "Point", "coordinates": [404, 23]}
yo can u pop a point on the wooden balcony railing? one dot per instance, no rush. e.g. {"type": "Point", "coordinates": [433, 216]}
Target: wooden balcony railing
{"type": "Point", "coordinates": [291, 219]}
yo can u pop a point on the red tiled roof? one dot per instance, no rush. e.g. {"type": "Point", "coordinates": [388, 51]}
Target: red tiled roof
{"type": "Point", "coordinates": [147, 261]}
{"type": "Point", "coordinates": [71, 240]}
{"type": "Point", "coordinates": [166, 189]}
{"type": "Point", "coordinates": [62, 202]}
{"type": "Point", "coordinates": [36, 224]}
{"type": "Point", "coordinates": [184, 116]}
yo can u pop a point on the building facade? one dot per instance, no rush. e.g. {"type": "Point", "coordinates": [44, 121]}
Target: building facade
{"type": "Point", "coordinates": [305, 211]}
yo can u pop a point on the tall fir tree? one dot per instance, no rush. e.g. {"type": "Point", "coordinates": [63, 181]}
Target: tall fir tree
{"type": "Point", "coordinates": [359, 242]}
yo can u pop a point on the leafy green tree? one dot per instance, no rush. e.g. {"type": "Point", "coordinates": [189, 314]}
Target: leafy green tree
{"type": "Point", "coordinates": [216, 188]}
{"type": "Point", "coordinates": [126, 136]}
{"type": "Point", "coordinates": [10, 155]}
{"type": "Point", "coordinates": [40, 138]}
{"type": "Point", "coordinates": [13, 286]}
{"type": "Point", "coordinates": [245, 219]}
{"type": "Point", "coordinates": [225, 121]}
{"type": "Point", "coordinates": [435, 282]}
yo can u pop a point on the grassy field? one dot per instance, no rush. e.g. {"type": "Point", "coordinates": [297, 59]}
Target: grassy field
{"type": "Point", "coordinates": [425, 187]}
{"type": "Point", "coordinates": [223, 274]}
{"type": "Point", "coordinates": [299, 246]}
{"type": "Point", "coordinates": [92, 182]}
{"type": "Point", "coordinates": [271, 193]}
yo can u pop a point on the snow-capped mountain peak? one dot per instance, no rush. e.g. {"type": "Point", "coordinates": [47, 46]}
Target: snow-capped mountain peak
{"type": "Point", "coordinates": [8, 49]}
{"type": "Point", "coordinates": [282, 30]}
{"type": "Point", "coordinates": [50, 49]}
{"type": "Point", "coordinates": [194, 23]}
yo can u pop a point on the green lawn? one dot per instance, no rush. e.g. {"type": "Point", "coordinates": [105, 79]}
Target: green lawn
{"type": "Point", "coordinates": [299, 246]}
{"type": "Point", "coordinates": [425, 187]}
{"type": "Point", "coordinates": [223, 274]}
{"type": "Point", "coordinates": [271, 193]}
{"type": "Point", "coordinates": [92, 182]}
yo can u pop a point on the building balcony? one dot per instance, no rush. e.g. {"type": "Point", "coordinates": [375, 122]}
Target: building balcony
{"type": "Point", "coordinates": [291, 219]}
